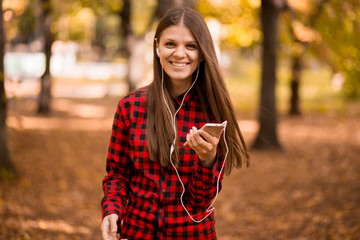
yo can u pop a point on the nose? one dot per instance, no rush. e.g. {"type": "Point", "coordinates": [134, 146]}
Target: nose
{"type": "Point", "coordinates": [180, 52]}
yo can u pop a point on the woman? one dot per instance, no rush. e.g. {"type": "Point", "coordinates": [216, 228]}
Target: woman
{"type": "Point", "coordinates": [155, 187]}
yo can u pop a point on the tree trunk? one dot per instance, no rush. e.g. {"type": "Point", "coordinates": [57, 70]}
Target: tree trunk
{"type": "Point", "coordinates": [133, 74]}
{"type": "Point", "coordinates": [267, 135]}
{"type": "Point", "coordinates": [295, 85]}
{"type": "Point", "coordinates": [6, 167]}
{"type": "Point", "coordinates": [44, 100]}
{"type": "Point", "coordinates": [297, 59]}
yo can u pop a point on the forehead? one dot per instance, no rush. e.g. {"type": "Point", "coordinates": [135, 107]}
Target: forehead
{"type": "Point", "coordinates": [177, 33]}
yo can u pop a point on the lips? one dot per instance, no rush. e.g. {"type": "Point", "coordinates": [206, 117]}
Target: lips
{"type": "Point", "coordinates": [177, 64]}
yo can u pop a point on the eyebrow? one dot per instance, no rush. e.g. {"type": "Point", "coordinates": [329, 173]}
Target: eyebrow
{"type": "Point", "coordinates": [173, 40]}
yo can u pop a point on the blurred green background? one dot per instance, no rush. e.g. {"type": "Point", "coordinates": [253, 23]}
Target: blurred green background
{"type": "Point", "coordinates": [102, 49]}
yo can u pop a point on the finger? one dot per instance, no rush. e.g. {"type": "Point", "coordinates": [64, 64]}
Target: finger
{"type": "Point", "coordinates": [187, 137]}
{"type": "Point", "coordinates": [205, 141]}
{"type": "Point", "coordinates": [208, 137]}
{"type": "Point", "coordinates": [113, 226]}
{"type": "Point", "coordinates": [109, 227]}
{"type": "Point", "coordinates": [190, 139]}
{"type": "Point", "coordinates": [195, 137]}
{"type": "Point", "coordinates": [201, 149]}
{"type": "Point", "coordinates": [104, 229]}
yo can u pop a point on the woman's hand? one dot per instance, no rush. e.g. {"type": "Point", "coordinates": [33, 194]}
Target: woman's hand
{"type": "Point", "coordinates": [109, 227]}
{"type": "Point", "coordinates": [203, 144]}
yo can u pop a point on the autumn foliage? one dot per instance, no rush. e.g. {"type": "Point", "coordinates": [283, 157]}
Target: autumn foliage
{"type": "Point", "coordinates": [310, 190]}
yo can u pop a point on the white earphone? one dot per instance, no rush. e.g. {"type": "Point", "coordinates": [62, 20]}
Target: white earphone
{"type": "Point", "coordinates": [157, 52]}
{"type": "Point", "coordinates": [210, 209]}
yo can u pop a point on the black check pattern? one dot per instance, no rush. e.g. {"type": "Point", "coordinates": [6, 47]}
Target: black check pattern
{"type": "Point", "coordinates": [145, 195]}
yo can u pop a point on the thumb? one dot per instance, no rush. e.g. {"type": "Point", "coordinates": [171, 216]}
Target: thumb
{"type": "Point", "coordinates": [113, 224]}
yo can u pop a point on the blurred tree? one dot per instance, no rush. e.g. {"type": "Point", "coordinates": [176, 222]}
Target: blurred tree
{"type": "Point", "coordinates": [267, 135]}
{"type": "Point", "coordinates": [302, 33]}
{"type": "Point", "coordinates": [26, 23]}
{"type": "Point", "coordinates": [12, 12]}
{"type": "Point", "coordinates": [131, 44]}
{"type": "Point", "coordinates": [44, 20]}
{"type": "Point", "coordinates": [339, 27]}
{"type": "Point", "coordinates": [164, 5]}
{"type": "Point", "coordinates": [239, 21]}
{"type": "Point", "coordinates": [6, 167]}
{"type": "Point", "coordinates": [107, 39]}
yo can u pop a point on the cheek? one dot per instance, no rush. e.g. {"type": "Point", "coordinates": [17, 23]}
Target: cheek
{"type": "Point", "coordinates": [195, 57]}
{"type": "Point", "coordinates": [162, 59]}
{"type": "Point", "coordinates": [164, 55]}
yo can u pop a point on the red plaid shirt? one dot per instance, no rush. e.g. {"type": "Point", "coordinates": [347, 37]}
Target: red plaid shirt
{"type": "Point", "coordinates": [146, 196]}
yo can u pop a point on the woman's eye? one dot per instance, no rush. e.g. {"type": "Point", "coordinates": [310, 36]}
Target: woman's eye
{"type": "Point", "coordinates": [170, 44]}
{"type": "Point", "coordinates": [192, 46]}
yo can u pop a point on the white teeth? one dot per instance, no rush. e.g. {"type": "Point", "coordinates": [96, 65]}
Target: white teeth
{"type": "Point", "coordinates": [179, 64]}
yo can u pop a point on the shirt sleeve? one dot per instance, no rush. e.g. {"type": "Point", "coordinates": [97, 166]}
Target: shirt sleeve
{"type": "Point", "coordinates": [203, 184]}
{"type": "Point", "coordinates": [118, 166]}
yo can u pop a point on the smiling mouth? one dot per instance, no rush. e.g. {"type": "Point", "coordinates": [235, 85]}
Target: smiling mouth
{"type": "Point", "coordinates": [179, 64]}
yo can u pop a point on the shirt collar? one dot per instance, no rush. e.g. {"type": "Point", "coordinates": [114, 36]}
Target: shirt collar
{"type": "Point", "coordinates": [188, 97]}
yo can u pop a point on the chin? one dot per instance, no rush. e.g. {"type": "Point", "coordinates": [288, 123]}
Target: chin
{"type": "Point", "coordinates": [180, 78]}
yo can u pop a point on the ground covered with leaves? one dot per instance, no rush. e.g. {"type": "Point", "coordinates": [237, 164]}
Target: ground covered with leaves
{"type": "Point", "coordinates": [309, 190]}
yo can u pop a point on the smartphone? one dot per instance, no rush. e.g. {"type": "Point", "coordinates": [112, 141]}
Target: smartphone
{"type": "Point", "coordinates": [214, 129]}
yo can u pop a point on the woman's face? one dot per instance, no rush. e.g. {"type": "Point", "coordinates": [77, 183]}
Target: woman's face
{"type": "Point", "coordinates": [179, 55]}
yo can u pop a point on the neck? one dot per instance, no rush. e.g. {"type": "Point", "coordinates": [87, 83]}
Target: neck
{"type": "Point", "coordinates": [176, 89]}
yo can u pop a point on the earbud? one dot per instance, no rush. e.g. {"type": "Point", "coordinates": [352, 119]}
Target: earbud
{"type": "Point", "coordinates": [157, 52]}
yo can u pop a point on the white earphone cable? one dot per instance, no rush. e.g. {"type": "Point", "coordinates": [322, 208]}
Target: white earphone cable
{"type": "Point", "coordinates": [210, 209]}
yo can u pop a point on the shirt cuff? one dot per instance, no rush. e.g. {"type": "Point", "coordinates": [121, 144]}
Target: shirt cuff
{"type": "Point", "coordinates": [111, 208]}
{"type": "Point", "coordinates": [208, 173]}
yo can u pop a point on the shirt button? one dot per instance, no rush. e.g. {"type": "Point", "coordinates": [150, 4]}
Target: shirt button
{"type": "Point", "coordinates": [160, 211]}
{"type": "Point", "coordinates": [163, 190]}
{"type": "Point", "coordinates": [159, 234]}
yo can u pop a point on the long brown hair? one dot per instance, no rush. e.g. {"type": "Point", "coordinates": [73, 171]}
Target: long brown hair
{"type": "Point", "coordinates": [210, 88]}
